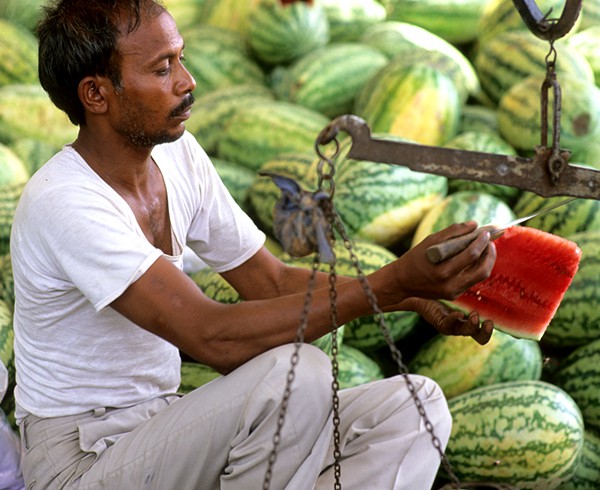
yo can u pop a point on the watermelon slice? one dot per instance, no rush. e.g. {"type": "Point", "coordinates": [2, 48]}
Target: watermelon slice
{"type": "Point", "coordinates": [533, 270]}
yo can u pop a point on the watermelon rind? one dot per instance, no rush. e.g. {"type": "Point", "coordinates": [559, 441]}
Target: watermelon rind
{"type": "Point", "coordinates": [529, 434]}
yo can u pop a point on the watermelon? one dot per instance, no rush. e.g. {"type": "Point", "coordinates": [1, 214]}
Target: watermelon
{"type": "Point", "coordinates": [356, 368]}
{"type": "Point", "coordinates": [236, 178]}
{"type": "Point", "coordinates": [194, 375]}
{"type": "Point", "coordinates": [463, 206]}
{"type": "Point", "coordinates": [27, 112]}
{"type": "Point", "coordinates": [259, 133]}
{"type": "Point", "coordinates": [383, 203]}
{"type": "Point", "coordinates": [12, 169]}
{"type": "Point", "coordinates": [579, 376]}
{"type": "Point", "coordinates": [460, 364]}
{"type": "Point", "coordinates": [512, 56]}
{"type": "Point", "coordinates": [282, 31]}
{"type": "Point", "coordinates": [532, 272]}
{"type": "Point", "coordinates": [7, 286]}
{"type": "Point", "coordinates": [396, 39]}
{"type": "Point", "coordinates": [575, 217]}
{"type": "Point", "coordinates": [212, 111]}
{"type": "Point", "coordinates": [364, 333]}
{"type": "Point", "coordinates": [418, 102]}
{"type": "Point", "coordinates": [590, 14]}
{"type": "Point", "coordinates": [586, 42]}
{"type": "Point", "coordinates": [214, 64]}
{"type": "Point", "coordinates": [185, 12]}
{"type": "Point", "coordinates": [519, 117]}
{"type": "Point", "coordinates": [327, 79]}
{"type": "Point", "coordinates": [7, 358]}
{"type": "Point", "coordinates": [349, 19]}
{"type": "Point", "coordinates": [9, 198]}
{"type": "Point", "coordinates": [263, 193]}
{"type": "Point", "coordinates": [454, 20]}
{"type": "Point", "coordinates": [488, 142]}
{"type": "Point", "coordinates": [228, 14]}
{"type": "Point", "coordinates": [33, 152]}
{"type": "Point", "coordinates": [501, 15]}
{"type": "Point", "coordinates": [525, 433]}
{"type": "Point", "coordinates": [577, 320]}
{"type": "Point", "coordinates": [216, 288]}
{"type": "Point", "coordinates": [587, 473]}
{"type": "Point", "coordinates": [25, 13]}
{"type": "Point", "coordinates": [19, 54]}
{"type": "Point", "coordinates": [478, 117]}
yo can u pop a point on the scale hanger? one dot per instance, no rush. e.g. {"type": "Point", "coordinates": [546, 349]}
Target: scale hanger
{"type": "Point", "coordinates": [531, 174]}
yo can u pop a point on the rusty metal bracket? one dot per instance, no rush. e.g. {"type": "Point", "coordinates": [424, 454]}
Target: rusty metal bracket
{"type": "Point", "coordinates": [529, 174]}
{"type": "Point", "coordinates": [542, 25]}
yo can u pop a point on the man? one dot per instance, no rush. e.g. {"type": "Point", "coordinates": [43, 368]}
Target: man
{"type": "Point", "coordinates": [103, 308]}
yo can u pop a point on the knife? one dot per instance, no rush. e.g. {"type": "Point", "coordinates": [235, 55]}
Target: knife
{"type": "Point", "coordinates": [444, 250]}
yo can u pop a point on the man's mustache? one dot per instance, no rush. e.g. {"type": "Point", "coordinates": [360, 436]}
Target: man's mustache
{"type": "Point", "coordinates": [186, 103]}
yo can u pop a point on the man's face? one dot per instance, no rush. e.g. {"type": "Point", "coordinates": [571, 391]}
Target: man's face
{"type": "Point", "coordinates": [155, 98]}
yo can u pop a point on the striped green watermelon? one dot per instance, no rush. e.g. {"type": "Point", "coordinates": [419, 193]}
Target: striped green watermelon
{"type": "Point", "coordinates": [501, 15]}
{"type": "Point", "coordinates": [9, 198]}
{"type": "Point", "coordinates": [577, 320]}
{"type": "Point", "coordinates": [577, 216]}
{"type": "Point", "coordinates": [216, 288]}
{"type": "Point", "coordinates": [27, 112]}
{"type": "Point", "coordinates": [214, 65]}
{"type": "Point", "coordinates": [185, 12]}
{"type": "Point", "coordinates": [454, 20]}
{"type": "Point", "coordinates": [236, 178]}
{"type": "Point", "coordinates": [512, 56]}
{"type": "Point", "coordinates": [417, 102]}
{"type": "Point", "coordinates": [19, 54]}
{"type": "Point", "coordinates": [282, 31]}
{"type": "Point", "coordinates": [356, 368]}
{"type": "Point", "coordinates": [258, 133]}
{"type": "Point", "coordinates": [488, 142]}
{"type": "Point", "coordinates": [194, 375]}
{"type": "Point", "coordinates": [459, 364]}
{"type": "Point", "coordinates": [228, 14]}
{"type": "Point", "coordinates": [212, 111]}
{"type": "Point", "coordinates": [587, 473]}
{"type": "Point", "coordinates": [532, 272]}
{"type": "Point", "coordinates": [327, 79]}
{"type": "Point", "coordinates": [383, 203]}
{"type": "Point", "coordinates": [263, 193]}
{"type": "Point", "coordinates": [463, 206]}
{"type": "Point", "coordinates": [349, 19]}
{"type": "Point", "coordinates": [590, 14]}
{"type": "Point", "coordinates": [519, 117]}
{"type": "Point", "coordinates": [13, 170]}
{"type": "Point", "coordinates": [364, 333]}
{"type": "Point", "coordinates": [396, 39]}
{"type": "Point", "coordinates": [579, 376]}
{"type": "Point", "coordinates": [206, 33]}
{"type": "Point", "coordinates": [33, 152]}
{"type": "Point", "coordinates": [586, 42]}
{"type": "Point", "coordinates": [525, 433]}
{"type": "Point", "coordinates": [478, 117]}
{"type": "Point", "coordinates": [7, 286]}
{"type": "Point", "coordinates": [25, 13]}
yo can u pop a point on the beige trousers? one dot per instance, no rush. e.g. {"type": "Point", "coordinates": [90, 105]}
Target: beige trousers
{"type": "Point", "coordinates": [221, 435]}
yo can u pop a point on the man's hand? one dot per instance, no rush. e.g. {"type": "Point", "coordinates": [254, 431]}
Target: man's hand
{"type": "Point", "coordinates": [451, 322]}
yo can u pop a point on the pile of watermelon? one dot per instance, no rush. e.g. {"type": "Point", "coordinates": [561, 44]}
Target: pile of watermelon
{"type": "Point", "coordinates": [464, 74]}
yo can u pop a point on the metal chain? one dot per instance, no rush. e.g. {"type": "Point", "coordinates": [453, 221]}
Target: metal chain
{"type": "Point", "coordinates": [291, 375]}
{"type": "Point", "coordinates": [326, 171]}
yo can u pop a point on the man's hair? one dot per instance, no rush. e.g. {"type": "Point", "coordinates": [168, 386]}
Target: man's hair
{"type": "Point", "coordinates": [79, 38]}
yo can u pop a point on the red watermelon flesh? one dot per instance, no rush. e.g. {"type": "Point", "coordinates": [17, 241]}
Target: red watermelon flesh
{"type": "Point", "coordinates": [533, 270]}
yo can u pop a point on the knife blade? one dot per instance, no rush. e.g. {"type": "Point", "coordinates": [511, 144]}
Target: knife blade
{"type": "Point", "coordinates": [444, 250]}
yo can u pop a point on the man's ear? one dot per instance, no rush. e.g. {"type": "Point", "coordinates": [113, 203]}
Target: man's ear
{"type": "Point", "coordinates": [92, 92]}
